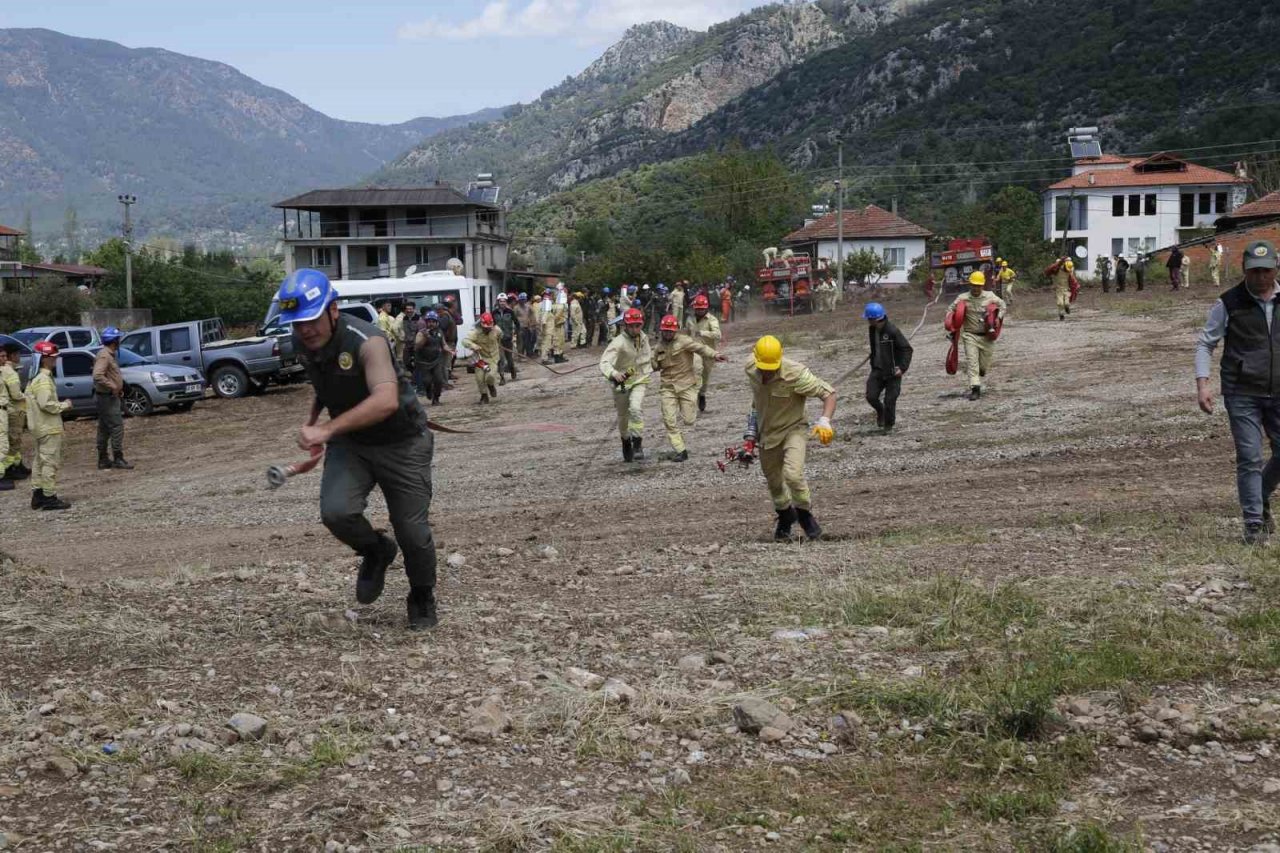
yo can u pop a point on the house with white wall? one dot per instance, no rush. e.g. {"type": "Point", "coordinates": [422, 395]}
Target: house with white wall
{"type": "Point", "coordinates": [893, 238]}
{"type": "Point", "coordinates": [1114, 205]}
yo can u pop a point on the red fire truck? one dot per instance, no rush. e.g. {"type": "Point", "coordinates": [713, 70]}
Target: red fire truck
{"type": "Point", "coordinates": [786, 283]}
{"type": "Point", "coordinates": [953, 265]}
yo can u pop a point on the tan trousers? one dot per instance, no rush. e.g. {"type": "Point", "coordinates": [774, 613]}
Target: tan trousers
{"type": "Point", "coordinates": [48, 459]}
{"type": "Point", "coordinates": [978, 352]}
{"type": "Point", "coordinates": [630, 406]}
{"type": "Point", "coordinates": [677, 406]}
{"type": "Point", "coordinates": [1063, 295]}
{"type": "Point", "coordinates": [5, 462]}
{"type": "Point", "coordinates": [17, 423]}
{"type": "Point", "coordinates": [485, 381]}
{"type": "Point", "coordinates": [783, 468]}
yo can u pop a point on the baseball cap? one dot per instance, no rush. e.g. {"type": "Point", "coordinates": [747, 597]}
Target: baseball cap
{"type": "Point", "coordinates": [1260, 255]}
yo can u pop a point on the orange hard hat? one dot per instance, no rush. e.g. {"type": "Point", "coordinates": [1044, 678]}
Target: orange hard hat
{"type": "Point", "coordinates": [670, 323]}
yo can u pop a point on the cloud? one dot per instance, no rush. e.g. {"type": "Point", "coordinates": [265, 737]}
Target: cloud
{"type": "Point", "coordinates": [588, 20]}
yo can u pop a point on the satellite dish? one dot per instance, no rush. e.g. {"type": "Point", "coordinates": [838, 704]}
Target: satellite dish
{"type": "Point", "coordinates": [1082, 252]}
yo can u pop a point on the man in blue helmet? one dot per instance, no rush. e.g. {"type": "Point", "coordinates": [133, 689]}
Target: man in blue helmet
{"type": "Point", "coordinates": [890, 358]}
{"type": "Point", "coordinates": [376, 435]}
{"type": "Point", "coordinates": [108, 391]}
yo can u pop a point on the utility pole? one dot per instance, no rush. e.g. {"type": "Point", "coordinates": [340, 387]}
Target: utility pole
{"type": "Point", "coordinates": [839, 215]}
{"type": "Point", "coordinates": [128, 201]}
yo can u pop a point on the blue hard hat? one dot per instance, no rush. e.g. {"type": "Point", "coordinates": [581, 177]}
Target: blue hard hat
{"type": "Point", "coordinates": [635, 304]}
{"type": "Point", "coordinates": [607, 291]}
{"type": "Point", "coordinates": [304, 295]}
{"type": "Point", "coordinates": [110, 335]}
{"type": "Point", "coordinates": [523, 297]}
{"type": "Point", "coordinates": [431, 315]}
{"type": "Point", "coordinates": [873, 311]}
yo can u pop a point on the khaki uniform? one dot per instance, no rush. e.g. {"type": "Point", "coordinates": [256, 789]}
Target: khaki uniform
{"type": "Point", "coordinates": [44, 419]}
{"type": "Point", "coordinates": [577, 323]}
{"type": "Point", "coordinates": [486, 344]}
{"type": "Point", "coordinates": [15, 416]}
{"type": "Point", "coordinates": [1062, 289]}
{"type": "Point", "coordinates": [394, 330]}
{"type": "Point", "coordinates": [677, 305]}
{"type": "Point", "coordinates": [1007, 278]}
{"type": "Point", "coordinates": [706, 330]}
{"type": "Point", "coordinates": [679, 389]}
{"type": "Point", "coordinates": [783, 428]}
{"type": "Point", "coordinates": [623, 355]}
{"type": "Point", "coordinates": [978, 348]}
{"type": "Point", "coordinates": [611, 312]}
{"type": "Point", "coordinates": [545, 318]}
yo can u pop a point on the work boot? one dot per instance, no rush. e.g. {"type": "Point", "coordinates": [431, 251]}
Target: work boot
{"type": "Point", "coordinates": [119, 462]}
{"type": "Point", "coordinates": [809, 524]}
{"type": "Point", "coordinates": [502, 380]}
{"type": "Point", "coordinates": [493, 391]}
{"type": "Point", "coordinates": [1061, 316]}
{"type": "Point", "coordinates": [702, 402]}
{"type": "Point", "coordinates": [484, 398]}
{"type": "Point", "coordinates": [975, 393]}
{"type": "Point", "coordinates": [421, 606]}
{"type": "Point", "coordinates": [513, 374]}
{"type": "Point", "coordinates": [628, 452]}
{"type": "Point", "coordinates": [560, 358]}
{"type": "Point", "coordinates": [103, 461]}
{"type": "Point", "coordinates": [53, 502]}
{"type": "Point", "coordinates": [637, 448]}
{"type": "Point", "coordinates": [1067, 309]}
{"type": "Point", "coordinates": [1268, 523]}
{"type": "Point", "coordinates": [6, 485]}
{"type": "Point", "coordinates": [373, 569]}
{"type": "Point", "coordinates": [546, 360]}
{"type": "Point", "coordinates": [786, 518]}
{"type": "Point", "coordinates": [37, 498]}
{"type": "Point", "coordinates": [1255, 533]}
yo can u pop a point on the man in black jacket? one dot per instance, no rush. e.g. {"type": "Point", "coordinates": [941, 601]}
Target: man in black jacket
{"type": "Point", "coordinates": [506, 321]}
{"type": "Point", "coordinates": [890, 358]}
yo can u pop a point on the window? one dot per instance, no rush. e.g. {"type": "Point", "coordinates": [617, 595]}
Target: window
{"type": "Point", "coordinates": [322, 257]}
{"type": "Point", "coordinates": [896, 258]}
{"type": "Point", "coordinates": [1149, 244]}
{"type": "Point", "coordinates": [81, 337]}
{"type": "Point", "coordinates": [1220, 203]}
{"type": "Point", "coordinates": [415, 216]}
{"type": "Point", "coordinates": [1135, 245]}
{"type": "Point", "coordinates": [175, 340]}
{"type": "Point", "coordinates": [375, 256]}
{"type": "Point", "coordinates": [1117, 246]}
{"type": "Point", "coordinates": [61, 340]}
{"type": "Point", "coordinates": [77, 364]}
{"type": "Point", "coordinates": [140, 344]}
{"type": "Point", "coordinates": [1149, 204]}
{"type": "Point", "coordinates": [1205, 199]}
{"type": "Point", "coordinates": [1117, 205]}
{"type": "Point", "coordinates": [1135, 205]}
{"type": "Point", "coordinates": [1186, 210]}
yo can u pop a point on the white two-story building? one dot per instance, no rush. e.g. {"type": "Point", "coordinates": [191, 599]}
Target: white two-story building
{"type": "Point", "coordinates": [1113, 205]}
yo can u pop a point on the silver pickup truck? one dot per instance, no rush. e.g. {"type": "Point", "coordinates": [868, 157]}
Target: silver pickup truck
{"type": "Point", "coordinates": [234, 367]}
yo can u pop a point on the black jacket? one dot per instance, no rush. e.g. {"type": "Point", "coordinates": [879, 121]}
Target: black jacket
{"type": "Point", "coordinates": [1251, 352]}
{"type": "Point", "coordinates": [890, 349]}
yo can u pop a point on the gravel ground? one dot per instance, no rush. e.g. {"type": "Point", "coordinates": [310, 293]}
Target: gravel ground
{"type": "Point", "coordinates": [618, 638]}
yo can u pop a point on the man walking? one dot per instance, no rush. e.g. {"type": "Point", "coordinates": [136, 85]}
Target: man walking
{"type": "Point", "coordinates": [1103, 270]}
{"type": "Point", "coordinates": [409, 321]}
{"type": "Point", "coordinates": [44, 419]}
{"type": "Point", "coordinates": [778, 426]}
{"type": "Point", "coordinates": [1244, 319]}
{"type": "Point", "coordinates": [505, 319]}
{"type": "Point", "coordinates": [1174, 265]}
{"type": "Point", "coordinates": [676, 301]}
{"type": "Point", "coordinates": [430, 356]}
{"type": "Point", "coordinates": [108, 389]}
{"type": "Point", "coordinates": [577, 321]}
{"type": "Point", "coordinates": [527, 323]}
{"type": "Point", "coordinates": [976, 316]}
{"type": "Point", "coordinates": [673, 357]}
{"type": "Point", "coordinates": [1007, 278]}
{"type": "Point", "coordinates": [705, 328]}
{"type": "Point", "coordinates": [376, 435]}
{"type": "Point", "coordinates": [627, 363]}
{"type": "Point", "coordinates": [890, 357]}
{"type": "Point", "coordinates": [1122, 273]}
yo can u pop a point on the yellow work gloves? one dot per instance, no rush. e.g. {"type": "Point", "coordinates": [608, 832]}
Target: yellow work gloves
{"type": "Point", "coordinates": [823, 432]}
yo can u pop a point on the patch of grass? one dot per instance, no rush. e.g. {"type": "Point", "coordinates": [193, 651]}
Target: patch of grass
{"type": "Point", "coordinates": [203, 768]}
{"type": "Point", "coordinates": [1012, 806]}
{"type": "Point", "coordinates": [1259, 632]}
{"type": "Point", "coordinates": [1086, 838]}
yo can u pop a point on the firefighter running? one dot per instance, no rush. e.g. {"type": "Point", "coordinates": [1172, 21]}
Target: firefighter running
{"type": "Point", "coordinates": [977, 317]}
{"type": "Point", "coordinates": [778, 428]}
{"type": "Point", "coordinates": [673, 357]}
{"type": "Point", "coordinates": [627, 363]}
{"type": "Point", "coordinates": [1062, 272]}
{"type": "Point", "coordinates": [705, 328]}
{"type": "Point", "coordinates": [485, 343]}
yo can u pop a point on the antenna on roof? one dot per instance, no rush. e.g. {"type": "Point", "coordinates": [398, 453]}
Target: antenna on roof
{"type": "Point", "coordinates": [1084, 142]}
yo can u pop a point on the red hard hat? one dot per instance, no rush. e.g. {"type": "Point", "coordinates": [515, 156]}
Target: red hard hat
{"type": "Point", "coordinates": [633, 317]}
{"type": "Point", "coordinates": [700, 301]}
{"type": "Point", "coordinates": [46, 348]}
{"type": "Point", "coordinates": [670, 323]}
{"type": "Point", "coordinates": [486, 319]}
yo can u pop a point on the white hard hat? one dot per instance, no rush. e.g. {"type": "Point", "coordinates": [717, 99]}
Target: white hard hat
{"type": "Point", "coordinates": [746, 287]}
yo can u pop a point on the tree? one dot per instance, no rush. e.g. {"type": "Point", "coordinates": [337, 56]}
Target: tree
{"type": "Point", "coordinates": [1012, 220]}
{"type": "Point", "coordinates": [866, 267]}
{"type": "Point", "coordinates": [71, 234]}
{"type": "Point", "coordinates": [591, 237]}
{"type": "Point", "coordinates": [747, 195]}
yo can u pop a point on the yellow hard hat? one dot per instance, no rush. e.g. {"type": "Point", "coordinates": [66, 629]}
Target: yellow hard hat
{"type": "Point", "coordinates": [1004, 263]}
{"type": "Point", "coordinates": [768, 353]}
{"type": "Point", "coordinates": [999, 260]}
{"type": "Point", "coordinates": [977, 279]}
{"type": "Point", "coordinates": [1069, 265]}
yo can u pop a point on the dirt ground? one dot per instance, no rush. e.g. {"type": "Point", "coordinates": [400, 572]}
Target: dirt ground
{"type": "Point", "coordinates": [1030, 625]}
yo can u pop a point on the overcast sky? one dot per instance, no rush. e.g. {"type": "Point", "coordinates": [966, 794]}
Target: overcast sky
{"type": "Point", "coordinates": [382, 60]}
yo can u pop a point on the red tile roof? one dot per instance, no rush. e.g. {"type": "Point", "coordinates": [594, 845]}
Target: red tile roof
{"type": "Point", "coordinates": [70, 269]}
{"type": "Point", "coordinates": [1268, 205]}
{"type": "Point", "coordinates": [6, 231]}
{"type": "Point", "coordinates": [1139, 174]}
{"type": "Point", "coordinates": [1104, 160]}
{"type": "Point", "coordinates": [871, 221]}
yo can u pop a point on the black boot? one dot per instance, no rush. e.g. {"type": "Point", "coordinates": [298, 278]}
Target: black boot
{"type": "Point", "coordinates": [702, 402]}
{"type": "Point", "coordinates": [17, 471]}
{"type": "Point", "coordinates": [786, 518]}
{"type": "Point", "coordinates": [637, 448]}
{"type": "Point", "coordinates": [628, 451]}
{"type": "Point", "coordinates": [373, 569]}
{"type": "Point", "coordinates": [104, 462]}
{"type": "Point", "coordinates": [975, 393]}
{"type": "Point", "coordinates": [484, 398]}
{"type": "Point", "coordinates": [493, 391]}
{"type": "Point", "coordinates": [809, 524]}
{"type": "Point", "coordinates": [37, 498]}
{"type": "Point", "coordinates": [53, 502]}
{"type": "Point", "coordinates": [6, 485]}
{"type": "Point", "coordinates": [560, 358]}
{"type": "Point", "coordinates": [421, 606]}
{"type": "Point", "coordinates": [119, 463]}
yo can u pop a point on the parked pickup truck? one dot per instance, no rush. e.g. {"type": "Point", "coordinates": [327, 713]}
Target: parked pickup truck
{"type": "Point", "coordinates": [234, 368]}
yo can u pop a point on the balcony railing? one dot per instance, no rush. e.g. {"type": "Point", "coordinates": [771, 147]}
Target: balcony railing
{"type": "Point", "coordinates": [301, 227]}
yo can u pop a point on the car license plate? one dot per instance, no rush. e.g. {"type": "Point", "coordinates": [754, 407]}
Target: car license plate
{"type": "Point", "coordinates": [192, 389]}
